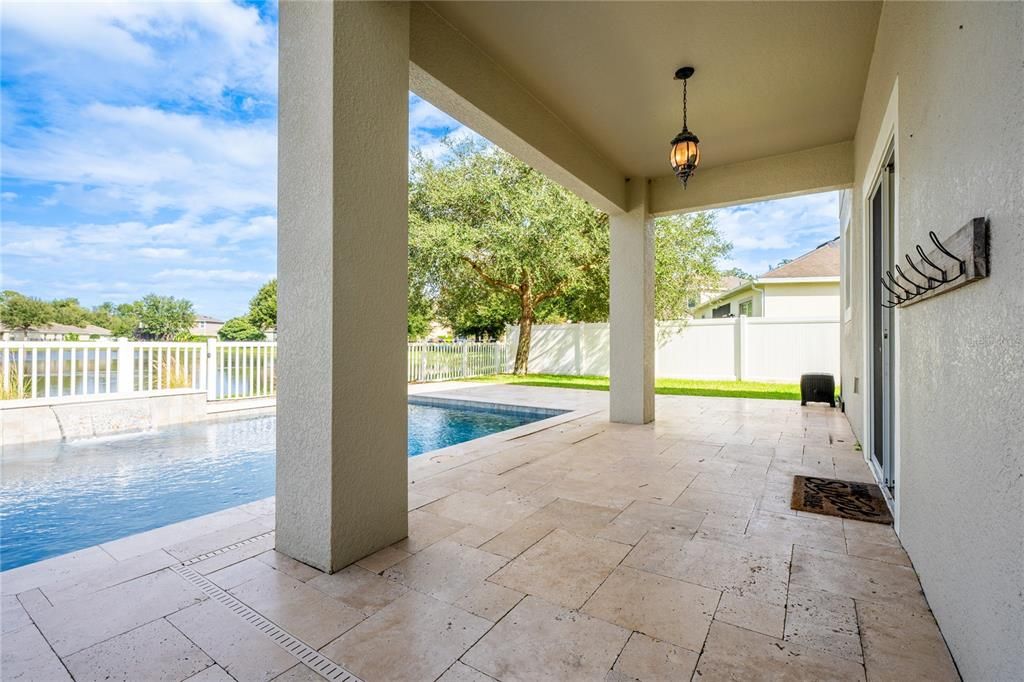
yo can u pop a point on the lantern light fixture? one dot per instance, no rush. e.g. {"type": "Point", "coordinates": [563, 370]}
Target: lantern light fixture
{"type": "Point", "coordinates": [685, 155]}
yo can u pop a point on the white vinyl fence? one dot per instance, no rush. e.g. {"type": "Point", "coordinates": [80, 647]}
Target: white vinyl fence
{"type": "Point", "coordinates": [226, 370]}
{"type": "Point", "coordinates": [446, 361]}
{"type": "Point", "coordinates": [47, 370]}
{"type": "Point", "coordinates": [748, 348]}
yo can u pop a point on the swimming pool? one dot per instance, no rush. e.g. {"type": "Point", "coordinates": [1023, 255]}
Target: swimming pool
{"type": "Point", "coordinates": [58, 497]}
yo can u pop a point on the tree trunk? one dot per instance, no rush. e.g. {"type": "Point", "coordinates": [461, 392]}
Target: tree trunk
{"type": "Point", "coordinates": [525, 332]}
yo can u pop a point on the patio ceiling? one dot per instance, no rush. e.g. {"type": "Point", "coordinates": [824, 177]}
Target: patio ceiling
{"type": "Point", "coordinates": [772, 78]}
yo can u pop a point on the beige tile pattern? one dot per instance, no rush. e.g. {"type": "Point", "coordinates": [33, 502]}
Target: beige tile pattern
{"type": "Point", "coordinates": [582, 551]}
{"type": "Point", "coordinates": [823, 621]}
{"type": "Point", "coordinates": [902, 644]}
{"type": "Point", "coordinates": [667, 609]}
{"type": "Point", "coordinates": [752, 614]}
{"type": "Point", "coordinates": [26, 656]}
{"type": "Point", "coordinates": [446, 570]}
{"type": "Point", "coordinates": [416, 637]}
{"type": "Point", "coordinates": [358, 588]}
{"type": "Point", "coordinates": [855, 577]}
{"type": "Point", "coordinates": [73, 625]}
{"type": "Point", "coordinates": [563, 568]}
{"type": "Point", "coordinates": [155, 651]}
{"type": "Point", "coordinates": [719, 565]}
{"type": "Point", "coordinates": [242, 650]}
{"type": "Point", "coordinates": [538, 641]}
{"type": "Point", "coordinates": [732, 653]}
{"type": "Point", "coordinates": [578, 517]}
{"type": "Point", "coordinates": [305, 612]}
{"type": "Point", "coordinates": [652, 660]}
{"type": "Point", "coordinates": [489, 601]}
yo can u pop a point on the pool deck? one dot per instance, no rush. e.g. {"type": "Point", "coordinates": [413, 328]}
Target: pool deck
{"type": "Point", "coordinates": [566, 549]}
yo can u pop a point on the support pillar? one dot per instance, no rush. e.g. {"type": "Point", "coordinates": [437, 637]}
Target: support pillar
{"type": "Point", "coordinates": [632, 309]}
{"type": "Point", "coordinates": [342, 250]}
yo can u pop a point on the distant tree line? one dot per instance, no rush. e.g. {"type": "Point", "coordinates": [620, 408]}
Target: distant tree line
{"type": "Point", "coordinates": [151, 318]}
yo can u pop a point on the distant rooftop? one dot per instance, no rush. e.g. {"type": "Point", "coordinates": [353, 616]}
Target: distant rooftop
{"type": "Point", "coordinates": [821, 262]}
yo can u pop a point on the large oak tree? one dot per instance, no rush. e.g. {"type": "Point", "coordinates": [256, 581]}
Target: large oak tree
{"type": "Point", "coordinates": [484, 213]}
{"type": "Point", "coordinates": [493, 242]}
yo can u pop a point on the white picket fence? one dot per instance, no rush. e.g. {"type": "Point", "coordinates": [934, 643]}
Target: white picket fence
{"type": "Point", "coordinates": [747, 348]}
{"type": "Point", "coordinates": [447, 361]}
{"type": "Point", "coordinates": [83, 370]}
{"type": "Point", "coordinates": [72, 370]}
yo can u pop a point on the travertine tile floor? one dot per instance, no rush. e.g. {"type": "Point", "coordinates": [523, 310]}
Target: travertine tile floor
{"type": "Point", "coordinates": [573, 549]}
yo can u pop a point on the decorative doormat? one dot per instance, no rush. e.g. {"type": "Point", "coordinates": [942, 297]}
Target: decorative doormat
{"type": "Point", "coordinates": [845, 499]}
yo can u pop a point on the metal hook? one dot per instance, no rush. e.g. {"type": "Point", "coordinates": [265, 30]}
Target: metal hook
{"type": "Point", "coordinates": [927, 277]}
{"type": "Point", "coordinates": [943, 249]}
{"type": "Point", "coordinates": [899, 299]}
{"type": "Point", "coordinates": [901, 287]}
{"type": "Point", "coordinates": [890, 290]}
{"type": "Point", "coordinates": [917, 287]}
{"type": "Point", "coordinates": [926, 259]}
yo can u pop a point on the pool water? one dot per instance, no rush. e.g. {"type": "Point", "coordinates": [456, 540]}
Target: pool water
{"type": "Point", "coordinates": [60, 497]}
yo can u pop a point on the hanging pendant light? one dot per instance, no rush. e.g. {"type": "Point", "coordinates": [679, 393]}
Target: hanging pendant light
{"type": "Point", "coordinates": [685, 150]}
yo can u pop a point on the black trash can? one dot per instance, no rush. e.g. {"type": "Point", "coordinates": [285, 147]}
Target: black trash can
{"type": "Point", "coordinates": [818, 388]}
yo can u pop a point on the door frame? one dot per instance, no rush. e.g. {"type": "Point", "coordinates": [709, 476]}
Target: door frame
{"type": "Point", "coordinates": [886, 143]}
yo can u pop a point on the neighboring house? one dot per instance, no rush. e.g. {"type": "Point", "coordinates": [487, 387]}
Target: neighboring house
{"type": "Point", "coordinates": [206, 326]}
{"type": "Point", "coordinates": [54, 332]}
{"type": "Point", "coordinates": [807, 286]}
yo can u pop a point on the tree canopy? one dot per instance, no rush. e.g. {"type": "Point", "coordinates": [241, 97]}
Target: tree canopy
{"type": "Point", "coordinates": [164, 317]}
{"type": "Point", "coordinates": [18, 311]}
{"type": "Point", "coordinates": [484, 221]}
{"type": "Point", "coordinates": [240, 329]}
{"type": "Point", "coordinates": [493, 242]}
{"type": "Point", "coordinates": [263, 307]}
{"type": "Point", "coordinates": [686, 249]}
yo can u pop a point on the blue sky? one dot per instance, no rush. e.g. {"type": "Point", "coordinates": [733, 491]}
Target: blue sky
{"type": "Point", "coordinates": [139, 155]}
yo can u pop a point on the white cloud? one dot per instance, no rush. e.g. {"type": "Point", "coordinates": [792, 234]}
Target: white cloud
{"type": "Point", "coordinates": [8, 196]}
{"type": "Point", "coordinates": [224, 276]}
{"type": "Point", "coordinates": [764, 233]}
{"type": "Point", "coordinates": [428, 126]}
{"type": "Point", "coordinates": [161, 254]}
{"type": "Point", "coordinates": [145, 160]}
{"type": "Point", "coordinates": [195, 49]}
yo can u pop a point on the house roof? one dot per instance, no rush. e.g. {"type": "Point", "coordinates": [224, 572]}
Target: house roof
{"type": "Point", "coordinates": [821, 262]}
{"type": "Point", "coordinates": [207, 318]}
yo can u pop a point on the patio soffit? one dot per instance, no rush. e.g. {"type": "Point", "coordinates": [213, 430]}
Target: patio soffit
{"type": "Point", "coordinates": [772, 78]}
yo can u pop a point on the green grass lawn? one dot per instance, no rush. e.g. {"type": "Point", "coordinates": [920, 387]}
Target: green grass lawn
{"type": "Point", "coordinates": [716, 389]}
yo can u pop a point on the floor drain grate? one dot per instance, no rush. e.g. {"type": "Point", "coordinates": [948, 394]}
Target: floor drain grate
{"type": "Point", "coordinates": [309, 656]}
{"type": "Point", "coordinates": [222, 550]}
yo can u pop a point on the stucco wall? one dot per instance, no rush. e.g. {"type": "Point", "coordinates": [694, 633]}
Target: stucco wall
{"type": "Point", "coordinates": [960, 425]}
{"type": "Point", "coordinates": [806, 299]}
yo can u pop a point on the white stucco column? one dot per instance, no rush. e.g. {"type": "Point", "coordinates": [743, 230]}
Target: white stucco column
{"type": "Point", "coordinates": [632, 309]}
{"type": "Point", "coordinates": [342, 253]}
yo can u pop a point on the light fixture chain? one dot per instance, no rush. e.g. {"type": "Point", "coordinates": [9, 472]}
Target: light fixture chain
{"type": "Point", "coordinates": [684, 104]}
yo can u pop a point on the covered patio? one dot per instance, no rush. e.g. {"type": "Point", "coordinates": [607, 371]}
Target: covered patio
{"type": "Point", "coordinates": [570, 549]}
{"type": "Point", "coordinates": [911, 109]}
{"type": "Point", "coordinates": [634, 537]}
